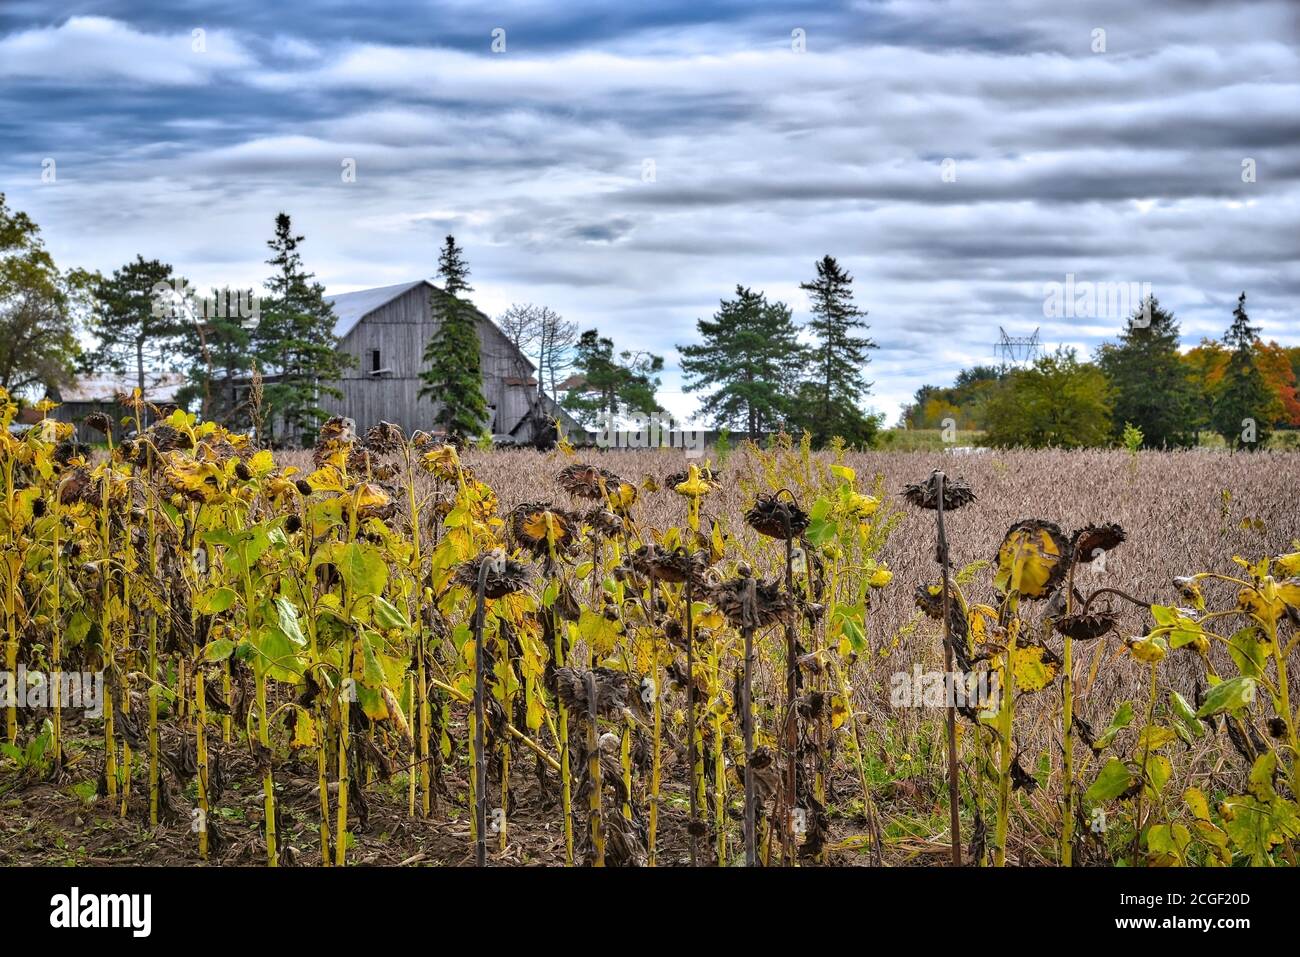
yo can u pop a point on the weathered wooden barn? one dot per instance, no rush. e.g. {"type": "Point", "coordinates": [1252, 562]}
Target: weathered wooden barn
{"type": "Point", "coordinates": [386, 329]}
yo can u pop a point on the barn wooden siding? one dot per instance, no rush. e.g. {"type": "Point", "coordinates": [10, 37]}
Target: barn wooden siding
{"type": "Point", "coordinates": [400, 329]}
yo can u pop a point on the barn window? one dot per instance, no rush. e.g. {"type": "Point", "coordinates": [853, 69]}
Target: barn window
{"type": "Point", "coordinates": [374, 361]}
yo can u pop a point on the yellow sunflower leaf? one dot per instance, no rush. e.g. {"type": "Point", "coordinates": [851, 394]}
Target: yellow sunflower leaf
{"type": "Point", "coordinates": [1034, 667]}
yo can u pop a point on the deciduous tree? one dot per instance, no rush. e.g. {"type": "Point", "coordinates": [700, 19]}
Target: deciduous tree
{"type": "Point", "coordinates": [1058, 402]}
{"type": "Point", "coordinates": [41, 309]}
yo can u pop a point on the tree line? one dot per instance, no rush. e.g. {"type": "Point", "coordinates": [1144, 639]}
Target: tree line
{"type": "Point", "coordinates": [762, 372]}
{"type": "Point", "coordinates": [1141, 389]}
{"type": "Point", "coordinates": [755, 368]}
{"type": "Point", "coordinates": [268, 368]}
{"type": "Point", "coordinates": [260, 362]}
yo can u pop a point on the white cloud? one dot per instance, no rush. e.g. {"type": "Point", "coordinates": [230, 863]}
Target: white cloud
{"type": "Point", "coordinates": [1123, 166]}
{"type": "Point", "coordinates": [93, 49]}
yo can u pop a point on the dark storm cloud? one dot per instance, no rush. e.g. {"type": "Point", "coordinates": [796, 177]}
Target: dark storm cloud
{"type": "Point", "coordinates": [628, 164]}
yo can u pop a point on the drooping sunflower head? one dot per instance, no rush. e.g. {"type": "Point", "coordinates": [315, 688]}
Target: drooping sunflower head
{"type": "Point", "coordinates": [587, 481]}
{"type": "Point", "coordinates": [621, 497]}
{"type": "Point", "coordinates": [776, 517]}
{"type": "Point", "coordinates": [442, 505]}
{"type": "Point", "coordinates": [956, 492]}
{"type": "Point", "coordinates": [1190, 591]}
{"type": "Point", "coordinates": [67, 453]}
{"type": "Point", "coordinates": [1092, 540]}
{"type": "Point", "coordinates": [542, 529]}
{"type": "Point", "coordinates": [604, 522]}
{"type": "Point", "coordinates": [79, 485]}
{"type": "Point", "coordinates": [1087, 627]}
{"type": "Point", "coordinates": [385, 438]}
{"type": "Point", "coordinates": [371, 501]}
{"type": "Point", "coordinates": [504, 576]}
{"type": "Point", "coordinates": [193, 480]}
{"type": "Point", "coordinates": [166, 438]}
{"type": "Point", "coordinates": [669, 565]}
{"type": "Point", "coordinates": [363, 460]}
{"type": "Point", "coordinates": [751, 602]}
{"type": "Point", "coordinates": [338, 428]}
{"type": "Point", "coordinates": [99, 422]}
{"type": "Point", "coordinates": [574, 686]}
{"type": "Point", "coordinates": [929, 600]}
{"type": "Point", "coordinates": [334, 440]}
{"type": "Point", "coordinates": [442, 462]}
{"type": "Point", "coordinates": [1032, 559]}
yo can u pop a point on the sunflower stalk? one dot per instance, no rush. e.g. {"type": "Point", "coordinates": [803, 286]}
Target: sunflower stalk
{"type": "Point", "coordinates": [201, 752]}
{"type": "Point", "coordinates": [790, 724]}
{"type": "Point", "coordinates": [694, 759]}
{"type": "Point", "coordinates": [954, 795]}
{"type": "Point", "coordinates": [656, 756]}
{"type": "Point", "coordinates": [747, 712]}
{"type": "Point", "coordinates": [478, 759]}
{"type": "Point", "coordinates": [594, 776]}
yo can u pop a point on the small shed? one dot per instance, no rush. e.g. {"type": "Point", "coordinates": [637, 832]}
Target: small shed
{"type": "Point", "coordinates": [101, 393]}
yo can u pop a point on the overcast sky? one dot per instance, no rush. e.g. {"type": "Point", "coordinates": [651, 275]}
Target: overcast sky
{"type": "Point", "coordinates": [1122, 164]}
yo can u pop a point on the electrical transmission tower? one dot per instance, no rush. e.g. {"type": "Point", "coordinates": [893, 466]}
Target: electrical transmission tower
{"type": "Point", "coordinates": [1017, 350]}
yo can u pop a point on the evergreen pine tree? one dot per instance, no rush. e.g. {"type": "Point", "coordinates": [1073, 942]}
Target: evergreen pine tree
{"type": "Point", "coordinates": [218, 352]}
{"type": "Point", "coordinates": [749, 358]}
{"type": "Point", "coordinates": [612, 386]}
{"type": "Point", "coordinates": [830, 397]}
{"type": "Point", "coordinates": [453, 375]}
{"type": "Point", "coordinates": [1149, 381]}
{"type": "Point", "coordinates": [294, 342]}
{"type": "Point", "coordinates": [1244, 406]}
{"type": "Point", "coordinates": [138, 319]}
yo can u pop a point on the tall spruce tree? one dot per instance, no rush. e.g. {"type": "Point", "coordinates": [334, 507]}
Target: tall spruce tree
{"type": "Point", "coordinates": [1244, 406]}
{"type": "Point", "coordinates": [1149, 384]}
{"type": "Point", "coordinates": [295, 342]}
{"type": "Point", "coordinates": [749, 360]}
{"type": "Point", "coordinates": [829, 399]}
{"type": "Point", "coordinates": [453, 375]}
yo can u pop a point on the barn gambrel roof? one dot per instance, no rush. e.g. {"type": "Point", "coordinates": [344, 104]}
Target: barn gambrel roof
{"type": "Point", "coordinates": [351, 307]}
